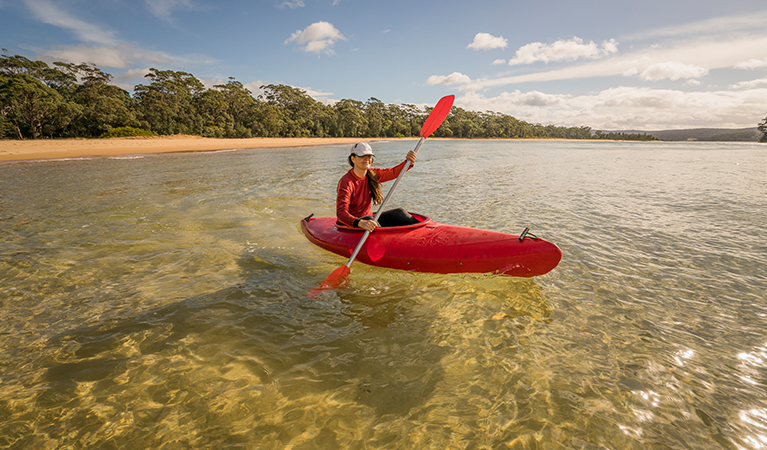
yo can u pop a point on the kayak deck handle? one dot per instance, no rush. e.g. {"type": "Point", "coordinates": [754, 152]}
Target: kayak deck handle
{"type": "Point", "coordinates": [527, 234]}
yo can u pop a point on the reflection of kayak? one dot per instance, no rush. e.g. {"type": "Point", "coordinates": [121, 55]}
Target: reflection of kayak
{"type": "Point", "coordinates": [430, 246]}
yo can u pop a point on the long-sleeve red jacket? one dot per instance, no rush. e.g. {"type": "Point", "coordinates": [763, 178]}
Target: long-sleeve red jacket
{"type": "Point", "coordinates": [354, 199]}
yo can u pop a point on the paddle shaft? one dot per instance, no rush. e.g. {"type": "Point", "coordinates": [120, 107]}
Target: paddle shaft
{"type": "Point", "coordinates": [381, 208]}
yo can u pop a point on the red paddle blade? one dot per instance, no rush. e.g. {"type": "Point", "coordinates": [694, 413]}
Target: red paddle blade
{"type": "Point", "coordinates": [437, 115]}
{"type": "Point", "coordinates": [335, 280]}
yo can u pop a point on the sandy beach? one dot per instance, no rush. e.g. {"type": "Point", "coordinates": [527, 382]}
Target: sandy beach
{"type": "Point", "coordinates": [13, 150]}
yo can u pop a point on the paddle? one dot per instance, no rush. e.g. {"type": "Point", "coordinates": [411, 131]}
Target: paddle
{"type": "Point", "coordinates": [339, 276]}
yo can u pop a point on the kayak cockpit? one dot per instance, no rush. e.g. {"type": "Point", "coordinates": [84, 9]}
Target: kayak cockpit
{"type": "Point", "coordinates": [422, 221]}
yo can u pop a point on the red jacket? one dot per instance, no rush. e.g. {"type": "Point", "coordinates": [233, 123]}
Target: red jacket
{"type": "Point", "coordinates": [353, 198]}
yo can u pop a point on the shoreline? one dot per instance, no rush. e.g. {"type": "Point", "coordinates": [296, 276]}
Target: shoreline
{"type": "Point", "coordinates": [50, 149]}
{"type": "Point", "coordinates": [43, 149]}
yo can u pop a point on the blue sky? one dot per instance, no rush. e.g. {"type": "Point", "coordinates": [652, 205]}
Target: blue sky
{"type": "Point", "coordinates": [609, 65]}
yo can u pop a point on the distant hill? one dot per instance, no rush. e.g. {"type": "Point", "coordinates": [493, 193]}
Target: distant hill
{"type": "Point", "coordinates": [704, 134]}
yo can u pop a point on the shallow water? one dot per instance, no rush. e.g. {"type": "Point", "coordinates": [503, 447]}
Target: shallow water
{"type": "Point", "coordinates": [158, 302]}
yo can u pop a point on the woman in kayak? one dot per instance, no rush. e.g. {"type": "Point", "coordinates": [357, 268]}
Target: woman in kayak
{"type": "Point", "coordinates": [361, 187]}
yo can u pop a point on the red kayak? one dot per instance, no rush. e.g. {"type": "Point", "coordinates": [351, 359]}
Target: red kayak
{"type": "Point", "coordinates": [430, 246]}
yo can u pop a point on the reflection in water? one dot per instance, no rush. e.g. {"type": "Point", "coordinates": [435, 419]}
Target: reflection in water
{"type": "Point", "coordinates": [159, 302]}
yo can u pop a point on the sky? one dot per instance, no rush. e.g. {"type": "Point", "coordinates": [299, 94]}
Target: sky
{"type": "Point", "coordinates": [609, 65]}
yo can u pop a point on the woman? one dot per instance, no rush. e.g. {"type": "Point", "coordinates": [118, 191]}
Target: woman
{"type": "Point", "coordinates": [361, 187]}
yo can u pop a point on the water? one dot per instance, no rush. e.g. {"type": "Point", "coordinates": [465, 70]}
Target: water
{"type": "Point", "coordinates": [158, 302]}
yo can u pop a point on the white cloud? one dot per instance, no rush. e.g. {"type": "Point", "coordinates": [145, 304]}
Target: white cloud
{"type": "Point", "coordinates": [532, 98]}
{"type": "Point", "coordinates": [672, 71]}
{"type": "Point", "coordinates": [164, 8]}
{"type": "Point", "coordinates": [120, 56]}
{"type": "Point", "coordinates": [486, 41]}
{"type": "Point", "coordinates": [752, 63]}
{"type": "Point", "coordinates": [709, 54]}
{"type": "Point", "coordinates": [629, 108]}
{"type": "Point", "coordinates": [749, 84]}
{"type": "Point", "coordinates": [315, 94]}
{"type": "Point", "coordinates": [255, 87]}
{"type": "Point", "coordinates": [453, 78]}
{"type": "Point", "coordinates": [499, 61]}
{"type": "Point", "coordinates": [47, 12]}
{"type": "Point", "coordinates": [317, 38]}
{"type": "Point", "coordinates": [563, 50]}
{"type": "Point", "coordinates": [295, 4]}
{"type": "Point", "coordinates": [130, 78]}
{"type": "Point", "coordinates": [727, 25]}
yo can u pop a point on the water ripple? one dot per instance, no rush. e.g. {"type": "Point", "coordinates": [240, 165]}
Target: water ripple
{"type": "Point", "coordinates": [159, 301]}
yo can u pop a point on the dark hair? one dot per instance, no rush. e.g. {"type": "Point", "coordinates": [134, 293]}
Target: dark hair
{"type": "Point", "coordinates": [373, 184]}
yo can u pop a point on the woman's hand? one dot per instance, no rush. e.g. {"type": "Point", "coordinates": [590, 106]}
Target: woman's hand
{"type": "Point", "coordinates": [411, 157]}
{"type": "Point", "coordinates": [368, 225]}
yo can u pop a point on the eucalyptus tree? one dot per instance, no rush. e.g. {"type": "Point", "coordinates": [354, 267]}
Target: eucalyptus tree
{"type": "Point", "coordinates": [376, 115]}
{"type": "Point", "coordinates": [170, 103]}
{"type": "Point", "coordinates": [350, 118]}
{"type": "Point", "coordinates": [465, 124]}
{"type": "Point", "coordinates": [29, 104]}
{"type": "Point", "coordinates": [102, 106]}
{"type": "Point", "coordinates": [30, 108]}
{"type": "Point", "coordinates": [300, 114]}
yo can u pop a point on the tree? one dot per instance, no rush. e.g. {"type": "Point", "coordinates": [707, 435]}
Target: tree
{"type": "Point", "coordinates": [79, 100]}
{"type": "Point", "coordinates": [170, 104]}
{"type": "Point", "coordinates": [301, 115]}
{"type": "Point", "coordinates": [12, 65]}
{"type": "Point", "coordinates": [102, 106]}
{"type": "Point", "coordinates": [30, 107]}
{"type": "Point", "coordinates": [350, 119]}
{"type": "Point", "coordinates": [375, 113]}
{"type": "Point", "coordinates": [763, 129]}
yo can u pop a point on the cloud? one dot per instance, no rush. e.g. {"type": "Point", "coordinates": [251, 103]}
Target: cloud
{"type": "Point", "coordinates": [709, 54]}
{"type": "Point", "coordinates": [499, 61]}
{"type": "Point", "coordinates": [118, 56]}
{"type": "Point", "coordinates": [320, 96]}
{"type": "Point", "coordinates": [672, 71]}
{"type": "Point", "coordinates": [563, 50]}
{"type": "Point", "coordinates": [486, 41]}
{"type": "Point", "coordinates": [752, 64]}
{"type": "Point", "coordinates": [628, 108]}
{"type": "Point", "coordinates": [317, 38]}
{"type": "Point", "coordinates": [294, 4]}
{"type": "Point", "coordinates": [453, 78]}
{"type": "Point", "coordinates": [47, 12]}
{"type": "Point", "coordinates": [532, 98]}
{"type": "Point", "coordinates": [255, 87]}
{"type": "Point", "coordinates": [749, 84]}
{"type": "Point", "coordinates": [727, 25]}
{"type": "Point", "coordinates": [164, 8]}
{"type": "Point", "coordinates": [130, 78]}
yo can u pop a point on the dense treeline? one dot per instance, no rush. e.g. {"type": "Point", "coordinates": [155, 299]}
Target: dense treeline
{"type": "Point", "coordinates": [77, 100]}
{"type": "Point", "coordinates": [763, 128]}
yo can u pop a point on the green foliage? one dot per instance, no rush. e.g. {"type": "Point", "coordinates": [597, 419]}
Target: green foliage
{"type": "Point", "coordinates": [126, 132]}
{"type": "Point", "coordinates": [763, 128]}
{"type": "Point", "coordinates": [77, 100]}
{"type": "Point", "coordinates": [30, 107]}
{"type": "Point", "coordinates": [170, 104]}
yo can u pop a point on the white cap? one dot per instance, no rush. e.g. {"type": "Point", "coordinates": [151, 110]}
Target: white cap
{"type": "Point", "coordinates": [362, 149]}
